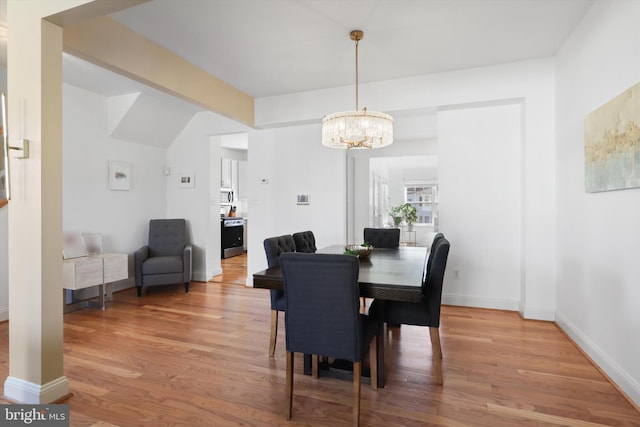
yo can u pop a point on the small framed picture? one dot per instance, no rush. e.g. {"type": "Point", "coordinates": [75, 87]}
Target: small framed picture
{"type": "Point", "coordinates": [119, 175]}
{"type": "Point", "coordinates": [303, 199]}
{"type": "Point", "coordinates": [92, 243]}
{"type": "Point", "coordinates": [186, 180]}
{"type": "Point", "coordinates": [73, 246]}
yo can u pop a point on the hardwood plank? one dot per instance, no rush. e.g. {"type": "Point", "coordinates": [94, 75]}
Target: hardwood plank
{"type": "Point", "coordinates": [201, 359]}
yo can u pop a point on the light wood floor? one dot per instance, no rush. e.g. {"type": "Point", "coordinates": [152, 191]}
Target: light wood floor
{"type": "Point", "coordinates": [200, 359]}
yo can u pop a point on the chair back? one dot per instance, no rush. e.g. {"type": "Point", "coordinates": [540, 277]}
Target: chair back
{"type": "Point", "coordinates": [305, 241]}
{"type": "Point", "coordinates": [323, 304]}
{"type": "Point", "coordinates": [167, 237]}
{"type": "Point", "coordinates": [275, 246]}
{"type": "Point", "coordinates": [432, 250]}
{"type": "Point", "coordinates": [382, 237]}
{"type": "Point", "coordinates": [432, 284]}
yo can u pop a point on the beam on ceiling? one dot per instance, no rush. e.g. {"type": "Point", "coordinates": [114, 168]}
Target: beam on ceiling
{"type": "Point", "coordinates": [113, 46]}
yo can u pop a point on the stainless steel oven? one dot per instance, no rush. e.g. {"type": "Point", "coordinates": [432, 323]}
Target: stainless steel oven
{"type": "Point", "coordinates": [231, 236]}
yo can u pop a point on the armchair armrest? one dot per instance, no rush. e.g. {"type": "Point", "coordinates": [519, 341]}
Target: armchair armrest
{"type": "Point", "coordinates": [139, 257]}
{"type": "Point", "coordinates": [186, 262]}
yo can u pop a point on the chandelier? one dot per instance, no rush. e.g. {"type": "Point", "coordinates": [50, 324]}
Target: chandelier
{"type": "Point", "coordinates": [359, 128]}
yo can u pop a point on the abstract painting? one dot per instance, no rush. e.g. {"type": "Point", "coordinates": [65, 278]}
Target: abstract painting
{"type": "Point", "coordinates": [612, 144]}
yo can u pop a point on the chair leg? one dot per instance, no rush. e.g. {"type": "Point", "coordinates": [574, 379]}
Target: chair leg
{"type": "Point", "coordinates": [274, 332]}
{"type": "Point", "coordinates": [357, 372]}
{"type": "Point", "coordinates": [314, 365]}
{"type": "Point", "coordinates": [139, 289]}
{"type": "Point", "coordinates": [186, 287]}
{"type": "Point", "coordinates": [289, 397]}
{"type": "Point", "coordinates": [436, 349]}
{"type": "Point", "coordinates": [373, 362]}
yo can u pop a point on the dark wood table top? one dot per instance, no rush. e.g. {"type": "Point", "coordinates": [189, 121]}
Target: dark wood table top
{"type": "Point", "coordinates": [389, 274]}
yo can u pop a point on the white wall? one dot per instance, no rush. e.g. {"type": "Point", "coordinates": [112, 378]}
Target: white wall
{"type": "Point", "coordinates": [88, 204]}
{"type": "Point", "coordinates": [599, 233]}
{"type": "Point", "coordinates": [480, 205]}
{"type": "Point", "coordinates": [294, 162]}
{"type": "Point", "coordinates": [123, 216]}
{"type": "Point", "coordinates": [189, 153]}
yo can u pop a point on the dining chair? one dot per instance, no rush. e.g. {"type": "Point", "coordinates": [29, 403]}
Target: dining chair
{"type": "Point", "coordinates": [434, 243]}
{"type": "Point", "coordinates": [323, 317]}
{"type": "Point", "coordinates": [388, 238]}
{"type": "Point", "coordinates": [305, 241]}
{"type": "Point", "coordinates": [427, 312]}
{"type": "Point", "coordinates": [273, 248]}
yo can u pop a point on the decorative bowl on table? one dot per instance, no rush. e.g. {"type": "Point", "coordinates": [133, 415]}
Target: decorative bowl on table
{"type": "Point", "coordinates": [361, 251]}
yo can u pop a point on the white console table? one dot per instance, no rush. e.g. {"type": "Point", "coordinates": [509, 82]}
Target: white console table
{"type": "Point", "coordinates": [93, 270]}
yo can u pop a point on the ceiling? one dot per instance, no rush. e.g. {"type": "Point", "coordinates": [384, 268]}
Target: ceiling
{"type": "Point", "coordinates": [273, 47]}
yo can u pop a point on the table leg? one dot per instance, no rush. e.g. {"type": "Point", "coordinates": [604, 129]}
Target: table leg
{"type": "Point", "coordinates": [101, 298]}
{"type": "Point", "coordinates": [307, 364]}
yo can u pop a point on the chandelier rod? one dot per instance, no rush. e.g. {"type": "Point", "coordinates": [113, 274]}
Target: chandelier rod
{"type": "Point", "coordinates": [356, 75]}
{"type": "Point", "coordinates": [356, 35]}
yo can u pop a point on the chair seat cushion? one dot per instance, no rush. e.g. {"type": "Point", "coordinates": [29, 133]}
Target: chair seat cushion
{"type": "Point", "coordinates": [162, 265]}
{"type": "Point", "coordinates": [402, 312]}
{"type": "Point", "coordinates": [281, 303]}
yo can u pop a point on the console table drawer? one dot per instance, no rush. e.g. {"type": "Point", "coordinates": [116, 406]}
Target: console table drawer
{"type": "Point", "coordinates": [116, 267]}
{"type": "Point", "coordinates": [80, 273]}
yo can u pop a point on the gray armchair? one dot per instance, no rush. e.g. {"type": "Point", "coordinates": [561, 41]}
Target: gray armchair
{"type": "Point", "coordinates": [166, 260]}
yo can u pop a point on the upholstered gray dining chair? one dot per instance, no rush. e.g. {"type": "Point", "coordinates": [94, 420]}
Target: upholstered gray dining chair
{"type": "Point", "coordinates": [166, 260]}
{"type": "Point", "coordinates": [273, 248]}
{"type": "Point", "coordinates": [427, 312]}
{"type": "Point", "coordinates": [305, 241]}
{"type": "Point", "coordinates": [382, 237]}
{"type": "Point", "coordinates": [323, 317]}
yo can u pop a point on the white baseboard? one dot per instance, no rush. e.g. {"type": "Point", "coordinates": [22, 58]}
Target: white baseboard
{"type": "Point", "coordinates": [470, 301]}
{"type": "Point", "coordinates": [213, 273]}
{"type": "Point", "coordinates": [532, 313]}
{"type": "Point", "coordinates": [200, 276]}
{"type": "Point", "coordinates": [23, 391]}
{"type": "Point", "coordinates": [537, 313]}
{"type": "Point", "coordinates": [619, 376]}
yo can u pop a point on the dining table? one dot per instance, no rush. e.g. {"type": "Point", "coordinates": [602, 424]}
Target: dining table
{"type": "Point", "coordinates": [385, 274]}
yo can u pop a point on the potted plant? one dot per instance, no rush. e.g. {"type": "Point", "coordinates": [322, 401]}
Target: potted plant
{"type": "Point", "coordinates": [396, 214]}
{"type": "Point", "coordinates": [409, 215]}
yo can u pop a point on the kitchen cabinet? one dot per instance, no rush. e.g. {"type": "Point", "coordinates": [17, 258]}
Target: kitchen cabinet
{"type": "Point", "coordinates": [233, 175]}
{"type": "Point", "coordinates": [226, 173]}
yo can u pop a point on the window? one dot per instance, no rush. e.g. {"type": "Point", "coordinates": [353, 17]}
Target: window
{"type": "Point", "coordinates": [423, 197]}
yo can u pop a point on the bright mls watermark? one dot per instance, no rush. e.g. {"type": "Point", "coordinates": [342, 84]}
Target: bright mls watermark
{"type": "Point", "coordinates": [34, 415]}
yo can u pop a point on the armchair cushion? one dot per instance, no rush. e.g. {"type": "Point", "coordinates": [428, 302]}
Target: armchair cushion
{"type": "Point", "coordinates": [162, 265]}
